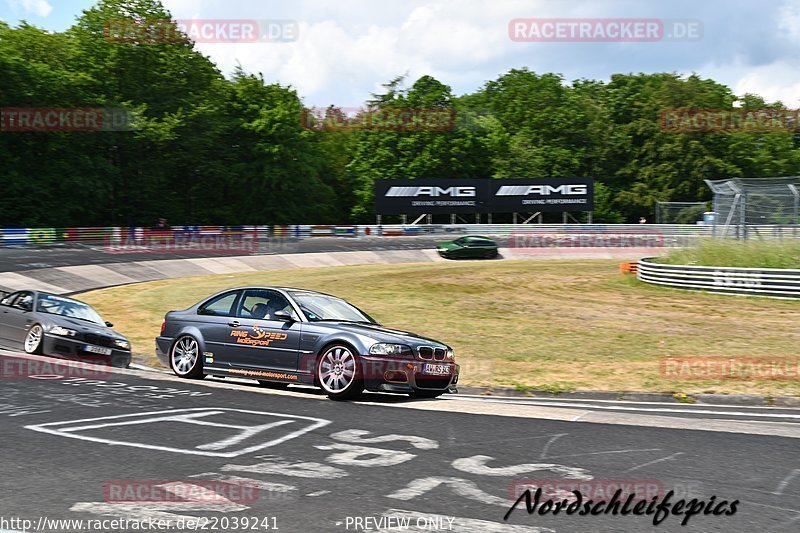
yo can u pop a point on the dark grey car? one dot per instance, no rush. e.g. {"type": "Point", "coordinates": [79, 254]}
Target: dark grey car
{"type": "Point", "coordinates": [44, 323]}
{"type": "Point", "coordinates": [279, 335]}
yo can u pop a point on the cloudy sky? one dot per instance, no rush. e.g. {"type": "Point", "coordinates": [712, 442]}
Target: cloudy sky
{"type": "Point", "coordinates": [345, 49]}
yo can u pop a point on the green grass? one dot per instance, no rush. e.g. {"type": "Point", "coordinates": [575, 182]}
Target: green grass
{"type": "Point", "coordinates": [741, 254]}
{"type": "Point", "coordinates": [551, 324]}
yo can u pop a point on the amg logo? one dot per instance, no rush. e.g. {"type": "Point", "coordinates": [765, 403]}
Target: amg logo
{"type": "Point", "coordinates": [541, 190]}
{"type": "Point", "coordinates": [431, 191]}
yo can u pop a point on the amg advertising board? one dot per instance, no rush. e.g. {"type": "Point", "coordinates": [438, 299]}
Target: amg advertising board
{"type": "Point", "coordinates": [396, 197]}
{"type": "Point", "coordinates": [547, 195]}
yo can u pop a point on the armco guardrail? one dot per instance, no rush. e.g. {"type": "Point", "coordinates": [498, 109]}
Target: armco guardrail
{"type": "Point", "coordinates": [667, 235]}
{"type": "Point", "coordinates": [552, 235]}
{"type": "Point", "coordinates": [768, 282]}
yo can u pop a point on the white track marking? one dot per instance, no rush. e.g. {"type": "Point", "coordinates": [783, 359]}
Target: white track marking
{"type": "Point", "coordinates": [462, 487]}
{"type": "Point", "coordinates": [549, 403]}
{"type": "Point", "coordinates": [605, 452]}
{"type": "Point", "coordinates": [146, 511]}
{"type": "Point", "coordinates": [668, 458]}
{"type": "Point", "coordinates": [278, 465]}
{"type": "Point", "coordinates": [189, 416]}
{"type": "Point", "coordinates": [356, 436]}
{"type": "Point", "coordinates": [785, 482]}
{"type": "Point", "coordinates": [477, 465]}
{"type": "Point", "coordinates": [453, 524]}
{"type": "Point", "coordinates": [350, 454]}
{"type": "Point", "coordinates": [267, 486]}
{"type": "Point", "coordinates": [549, 443]}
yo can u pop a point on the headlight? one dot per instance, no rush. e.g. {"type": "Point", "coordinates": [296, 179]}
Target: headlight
{"type": "Point", "coordinates": [119, 343]}
{"type": "Point", "coordinates": [383, 348]}
{"type": "Point", "coordinates": [64, 332]}
{"type": "Point", "coordinates": [450, 355]}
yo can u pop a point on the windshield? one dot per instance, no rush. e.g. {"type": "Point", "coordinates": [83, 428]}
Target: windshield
{"type": "Point", "coordinates": [318, 307]}
{"type": "Point", "coordinates": [58, 305]}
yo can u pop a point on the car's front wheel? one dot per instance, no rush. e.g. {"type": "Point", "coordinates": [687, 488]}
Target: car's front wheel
{"type": "Point", "coordinates": [185, 358]}
{"type": "Point", "coordinates": [339, 373]}
{"type": "Point", "coordinates": [34, 340]}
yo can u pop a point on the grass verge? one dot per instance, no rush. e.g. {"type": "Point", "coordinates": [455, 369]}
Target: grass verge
{"type": "Point", "coordinates": [555, 325]}
{"type": "Point", "coordinates": [739, 254]}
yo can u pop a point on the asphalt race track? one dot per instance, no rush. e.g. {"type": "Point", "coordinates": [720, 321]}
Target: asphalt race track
{"type": "Point", "coordinates": [15, 258]}
{"type": "Point", "coordinates": [76, 441]}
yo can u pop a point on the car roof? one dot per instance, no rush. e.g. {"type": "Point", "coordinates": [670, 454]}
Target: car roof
{"type": "Point", "coordinates": [275, 288]}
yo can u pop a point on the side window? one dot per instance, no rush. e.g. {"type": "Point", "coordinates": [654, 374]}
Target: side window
{"type": "Point", "coordinates": [24, 301]}
{"type": "Point", "coordinates": [460, 242]}
{"type": "Point", "coordinates": [222, 305]}
{"type": "Point", "coordinates": [260, 303]}
{"type": "Point", "coordinates": [8, 299]}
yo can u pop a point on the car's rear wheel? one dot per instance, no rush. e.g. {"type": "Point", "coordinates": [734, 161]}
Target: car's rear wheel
{"type": "Point", "coordinates": [185, 358]}
{"type": "Point", "coordinates": [426, 393]}
{"type": "Point", "coordinates": [491, 254]}
{"type": "Point", "coordinates": [34, 339]}
{"type": "Point", "coordinates": [339, 373]}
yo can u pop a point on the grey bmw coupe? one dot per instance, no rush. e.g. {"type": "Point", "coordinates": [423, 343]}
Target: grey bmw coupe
{"type": "Point", "coordinates": [279, 336]}
{"type": "Point", "coordinates": [50, 324]}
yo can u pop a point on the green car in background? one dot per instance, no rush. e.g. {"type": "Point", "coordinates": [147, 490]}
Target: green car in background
{"type": "Point", "coordinates": [471, 246]}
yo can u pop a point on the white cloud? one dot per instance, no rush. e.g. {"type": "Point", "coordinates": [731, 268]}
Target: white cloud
{"type": "Point", "coordinates": [41, 8]}
{"type": "Point", "coordinates": [347, 49]}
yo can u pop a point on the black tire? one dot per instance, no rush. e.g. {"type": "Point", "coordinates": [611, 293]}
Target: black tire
{"type": "Point", "coordinates": [419, 394]}
{"type": "Point", "coordinates": [491, 255]}
{"type": "Point", "coordinates": [339, 372]}
{"type": "Point", "coordinates": [34, 340]}
{"type": "Point", "coordinates": [185, 358]}
{"type": "Point", "coordinates": [277, 385]}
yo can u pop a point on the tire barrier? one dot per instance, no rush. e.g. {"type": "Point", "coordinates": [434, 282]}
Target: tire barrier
{"type": "Point", "coordinates": [767, 282]}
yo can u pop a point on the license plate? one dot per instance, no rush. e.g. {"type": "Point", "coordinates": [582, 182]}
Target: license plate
{"type": "Point", "coordinates": [436, 369]}
{"type": "Point", "coordinates": [97, 349]}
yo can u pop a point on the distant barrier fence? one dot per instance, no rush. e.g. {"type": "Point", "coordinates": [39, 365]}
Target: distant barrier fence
{"type": "Point", "coordinates": [769, 282]}
{"type": "Point", "coordinates": [541, 235]}
{"type": "Point", "coordinates": [667, 235]}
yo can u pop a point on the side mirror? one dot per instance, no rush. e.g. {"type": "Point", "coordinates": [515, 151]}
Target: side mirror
{"type": "Point", "coordinates": [282, 316]}
{"type": "Point", "coordinates": [109, 324]}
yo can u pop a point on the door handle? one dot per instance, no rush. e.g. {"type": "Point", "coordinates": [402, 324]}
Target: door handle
{"type": "Point", "coordinates": [234, 323]}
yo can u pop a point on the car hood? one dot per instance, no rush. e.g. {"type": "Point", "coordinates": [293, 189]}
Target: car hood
{"type": "Point", "coordinates": [382, 333]}
{"type": "Point", "coordinates": [82, 326]}
{"type": "Point", "coordinates": [448, 245]}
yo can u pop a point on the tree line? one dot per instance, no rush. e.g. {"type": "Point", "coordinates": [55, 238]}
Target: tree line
{"type": "Point", "coordinates": [207, 149]}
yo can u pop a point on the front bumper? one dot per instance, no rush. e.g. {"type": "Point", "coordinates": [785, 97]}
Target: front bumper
{"type": "Point", "coordinates": [390, 374]}
{"type": "Point", "coordinates": [58, 346]}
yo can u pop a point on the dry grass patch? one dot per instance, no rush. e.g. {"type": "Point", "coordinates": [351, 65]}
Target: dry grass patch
{"type": "Point", "coordinates": [554, 324]}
